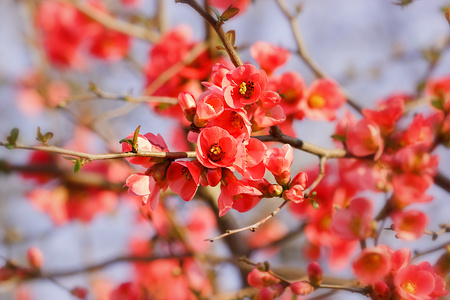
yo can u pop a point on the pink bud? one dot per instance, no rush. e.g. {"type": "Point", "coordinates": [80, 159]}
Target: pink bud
{"type": "Point", "coordinates": [188, 105]}
{"type": "Point", "coordinates": [260, 279]}
{"type": "Point", "coordinates": [315, 273]}
{"type": "Point", "coordinates": [271, 292]}
{"type": "Point", "coordinates": [301, 288]}
{"type": "Point", "coordinates": [275, 190]}
{"type": "Point", "coordinates": [79, 292]}
{"type": "Point", "coordinates": [35, 257]}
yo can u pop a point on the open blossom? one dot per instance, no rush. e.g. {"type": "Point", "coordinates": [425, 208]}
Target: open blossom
{"type": "Point", "coordinates": [236, 194]}
{"type": "Point", "coordinates": [243, 85]}
{"type": "Point", "coordinates": [372, 264]}
{"type": "Point", "coordinates": [323, 98]}
{"type": "Point", "coordinates": [250, 160]}
{"type": "Point", "coordinates": [235, 121]}
{"type": "Point", "coordinates": [388, 113]}
{"type": "Point", "coordinates": [410, 188]}
{"type": "Point", "coordinates": [216, 148]}
{"type": "Point", "coordinates": [268, 56]}
{"type": "Point", "coordinates": [413, 283]}
{"type": "Point", "coordinates": [355, 221]}
{"type": "Point", "coordinates": [364, 138]}
{"type": "Point", "coordinates": [409, 225]}
{"type": "Point", "coordinates": [267, 117]}
{"type": "Point", "coordinates": [184, 178]}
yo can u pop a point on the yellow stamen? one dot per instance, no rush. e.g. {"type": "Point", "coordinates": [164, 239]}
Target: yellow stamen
{"type": "Point", "coordinates": [316, 101]}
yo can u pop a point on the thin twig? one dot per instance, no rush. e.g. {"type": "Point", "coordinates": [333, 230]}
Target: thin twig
{"type": "Point", "coordinates": [434, 249]}
{"type": "Point", "coordinates": [252, 227]}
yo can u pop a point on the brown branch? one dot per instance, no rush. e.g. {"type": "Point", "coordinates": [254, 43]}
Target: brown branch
{"type": "Point", "coordinates": [434, 249]}
{"type": "Point", "coordinates": [92, 157]}
{"type": "Point", "coordinates": [276, 135]}
{"type": "Point", "coordinates": [217, 25]}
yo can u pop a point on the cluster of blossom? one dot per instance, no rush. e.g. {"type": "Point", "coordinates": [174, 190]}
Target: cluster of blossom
{"type": "Point", "coordinates": [67, 33]}
{"type": "Point", "coordinates": [223, 119]}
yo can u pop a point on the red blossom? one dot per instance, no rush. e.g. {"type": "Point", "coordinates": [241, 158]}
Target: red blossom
{"type": "Point", "coordinates": [268, 56]}
{"type": "Point", "coordinates": [371, 265]}
{"type": "Point", "coordinates": [364, 138]}
{"type": "Point", "coordinates": [184, 178]}
{"type": "Point", "coordinates": [243, 85]}
{"type": "Point", "coordinates": [409, 225]}
{"type": "Point", "coordinates": [216, 148]}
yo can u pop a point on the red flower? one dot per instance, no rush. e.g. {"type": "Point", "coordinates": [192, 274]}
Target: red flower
{"type": "Point", "coordinates": [409, 225]}
{"type": "Point", "coordinates": [244, 85]}
{"type": "Point", "coordinates": [268, 56]}
{"type": "Point", "coordinates": [323, 98]}
{"type": "Point", "coordinates": [184, 178]}
{"type": "Point", "coordinates": [364, 138]}
{"type": "Point", "coordinates": [279, 161]}
{"type": "Point", "coordinates": [413, 283]}
{"type": "Point", "coordinates": [216, 148]}
{"type": "Point", "coordinates": [372, 264]}
{"type": "Point", "coordinates": [353, 223]}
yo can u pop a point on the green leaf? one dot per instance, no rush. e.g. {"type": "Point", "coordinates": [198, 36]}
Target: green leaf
{"type": "Point", "coordinates": [43, 138]}
{"type": "Point", "coordinates": [229, 13]}
{"type": "Point", "coordinates": [231, 36]}
{"type": "Point", "coordinates": [315, 204]}
{"type": "Point", "coordinates": [77, 166]}
{"type": "Point", "coordinates": [216, 12]}
{"type": "Point", "coordinates": [135, 138]}
{"type": "Point", "coordinates": [12, 138]}
{"type": "Point", "coordinates": [339, 138]}
{"type": "Point", "coordinates": [437, 104]}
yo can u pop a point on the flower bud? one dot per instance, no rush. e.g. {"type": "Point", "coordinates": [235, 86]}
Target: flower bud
{"type": "Point", "coordinates": [79, 292]}
{"type": "Point", "coordinates": [271, 292]}
{"type": "Point", "coordinates": [301, 288]}
{"type": "Point", "coordinates": [275, 190]}
{"type": "Point", "coordinates": [188, 105]}
{"type": "Point", "coordinates": [260, 279]}
{"type": "Point", "coordinates": [35, 257]}
{"type": "Point", "coordinates": [315, 273]}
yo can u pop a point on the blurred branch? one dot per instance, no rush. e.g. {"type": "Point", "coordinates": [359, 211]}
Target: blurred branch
{"type": "Point", "coordinates": [303, 53]}
{"type": "Point", "coordinates": [114, 23]}
{"type": "Point", "coordinates": [175, 69]}
{"type": "Point", "coordinates": [418, 254]}
{"type": "Point", "coordinates": [217, 25]}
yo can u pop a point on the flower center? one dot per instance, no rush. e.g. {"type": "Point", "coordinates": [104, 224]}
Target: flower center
{"type": "Point", "coordinates": [236, 120]}
{"type": "Point", "coordinates": [186, 174]}
{"type": "Point", "coordinates": [215, 152]}
{"type": "Point", "coordinates": [246, 89]}
{"type": "Point", "coordinates": [409, 287]}
{"type": "Point", "coordinates": [316, 101]}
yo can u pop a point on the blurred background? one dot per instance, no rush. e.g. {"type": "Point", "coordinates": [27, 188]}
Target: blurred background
{"type": "Point", "coordinates": [371, 48]}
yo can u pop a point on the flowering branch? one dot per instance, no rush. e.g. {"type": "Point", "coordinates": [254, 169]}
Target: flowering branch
{"type": "Point", "coordinates": [217, 25]}
{"type": "Point", "coordinates": [91, 157]}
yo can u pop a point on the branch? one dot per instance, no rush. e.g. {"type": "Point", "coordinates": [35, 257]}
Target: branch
{"type": "Point", "coordinates": [276, 135]}
{"type": "Point", "coordinates": [217, 25]}
{"type": "Point", "coordinates": [92, 157]}
{"type": "Point", "coordinates": [303, 53]}
{"type": "Point", "coordinates": [252, 227]}
{"type": "Point", "coordinates": [98, 93]}
{"type": "Point", "coordinates": [256, 225]}
{"type": "Point", "coordinates": [114, 23]}
{"type": "Point", "coordinates": [434, 249]}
